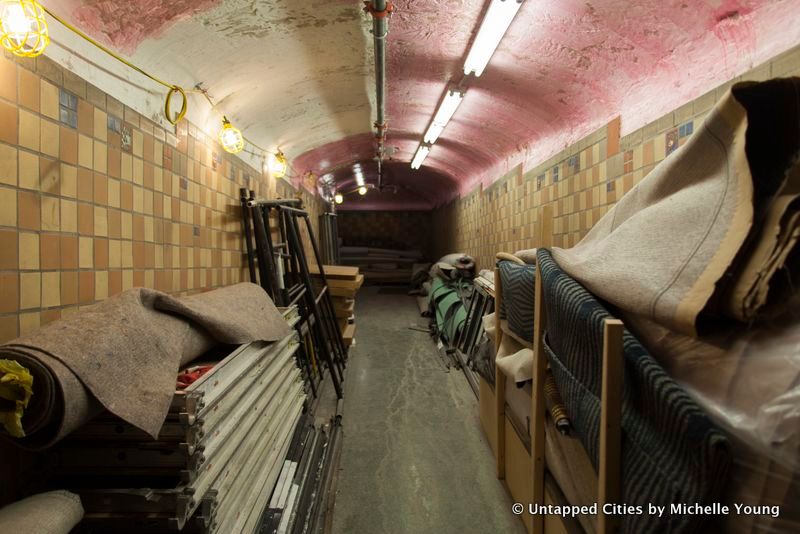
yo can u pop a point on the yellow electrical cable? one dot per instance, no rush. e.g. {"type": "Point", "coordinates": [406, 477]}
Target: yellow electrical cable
{"type": "Point", "coordinates": [173, 89]}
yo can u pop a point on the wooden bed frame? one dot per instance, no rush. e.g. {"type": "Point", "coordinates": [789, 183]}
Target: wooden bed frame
{"type": "Point", "coordinates": [513, 462]}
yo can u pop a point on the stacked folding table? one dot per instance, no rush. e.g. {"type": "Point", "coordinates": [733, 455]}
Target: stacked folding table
{"type": "Point", "coordinates": [216, 460]}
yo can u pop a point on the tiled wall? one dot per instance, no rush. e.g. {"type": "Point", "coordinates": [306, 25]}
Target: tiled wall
{"type": "Point", "coordinates": [581, 183]}
{"type": "Point", "coordinates": [387, 229]}
{"type": "Point", "coordinates": [96, 199]}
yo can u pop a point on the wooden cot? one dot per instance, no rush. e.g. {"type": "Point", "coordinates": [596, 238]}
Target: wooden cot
{"type": "Point", "coordinates": [525, 472]}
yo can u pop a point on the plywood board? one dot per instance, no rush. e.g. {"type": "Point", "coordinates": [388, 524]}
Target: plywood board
{"type": "Point", "coordinates": [335, 272]}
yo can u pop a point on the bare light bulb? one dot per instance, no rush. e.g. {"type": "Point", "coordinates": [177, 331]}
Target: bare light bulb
{"type": "Point", "coordinates": [362, 190]}
{"type": "Point", "coordinates": [338, 198]}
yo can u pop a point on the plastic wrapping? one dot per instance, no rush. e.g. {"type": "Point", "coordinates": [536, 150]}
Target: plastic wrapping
{"type": "Point", "coordinates": [748, 381]}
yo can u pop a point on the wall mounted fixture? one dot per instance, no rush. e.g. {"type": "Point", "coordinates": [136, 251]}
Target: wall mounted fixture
{"type": "Point", "coordinates": [419, 157]}
{"type": "Point", "coordinates": [278, 164]}
{"type": "Point", "coordinates": [23, 27]}
{"type": "Point", "coordinates": [443, 115]}
{"type": "Point", "coordinates": [230, 137]}
{"type": "Point", "coordinates": [494, 25]}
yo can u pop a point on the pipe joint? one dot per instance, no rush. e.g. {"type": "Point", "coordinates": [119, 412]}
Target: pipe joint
{"type": "Point", "coordinates": [369, 7]}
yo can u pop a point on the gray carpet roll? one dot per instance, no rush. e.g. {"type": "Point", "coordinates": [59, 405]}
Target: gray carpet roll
{"type": "Point", "coordinates": [54, 512]}
{"type": "Point", "coordinates": [122, 354]}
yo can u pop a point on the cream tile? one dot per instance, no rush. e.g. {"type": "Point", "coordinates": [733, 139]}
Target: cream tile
{"type": "Point", "coordinates": [8, 165]}
{"type": "Point", "coordinates": [86, 253]}
{"type": "Point", "coordinates": [69, 216]}
{"type": "Point", "coordinates": [101, 285]}
{"type": "Point", "coordinates": [138, 199]}
{"type": "Point", "coordinates": [126, 169]}
{"type": "Point", "coordinates": [69, 181]}
{"type": "Point", "coordinates": [51, 213]}
{"type": "Point", "coordinates": [48, 95]}
{"type": "Point", "coordinates": [28, 170]}
{"type": "Point", "coordinates": [100, 125]}
{"type": "Point", "coordinates": [127, 280]}
{"type": "Point", "coordinates": [30, 291]}
{"type": "Point", "coordinates": [113, 193]}
{"type": "Point", "coordinates": [85, 156]}
{"type": "Point", "coordinates": [100, 221]}
{"type": "Point", "coordinates": [28, 251]}
{"type": "Point", "coordinates": [138, 143]}
{"type": "Point", "coordinates": [138, 171]}
{"type": "Point", "coordinates": [50, 138]}
{"type": "Point", "coordinates": [126, 254]}
{"type": "Point", "coordinates": [127, 225]}
{"type": "Point", "coordinates": [100, 157]}
{"type": "Point", "coordinates": [114, 254]}
{"type": "Point", "coordinates": [8, 207]}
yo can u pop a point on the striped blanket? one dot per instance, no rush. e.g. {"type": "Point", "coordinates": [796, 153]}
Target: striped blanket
{"type": "Point", "coordinates": [516, 306]}
{"type": "Point", "coordinates": [671, 452]}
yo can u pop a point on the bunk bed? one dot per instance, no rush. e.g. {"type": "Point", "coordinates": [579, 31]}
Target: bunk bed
{"type": "Point", "coordinates": [719, 410]}
{"type": "Point", "coordinates": [587, 467]}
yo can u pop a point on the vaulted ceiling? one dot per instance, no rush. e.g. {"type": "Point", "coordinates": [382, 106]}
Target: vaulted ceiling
{"type": "Point", "coordinates": [299, 75]}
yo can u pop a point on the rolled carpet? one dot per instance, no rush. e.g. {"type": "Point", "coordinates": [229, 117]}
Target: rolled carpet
{"type": "Point", "coordinates": [123, 354]}
{"type": "Point", "coordinates": [54, 512]}
{"type": "Point", "coordinates": [714, 227]}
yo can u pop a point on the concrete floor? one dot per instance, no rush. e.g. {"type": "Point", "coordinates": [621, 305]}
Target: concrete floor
{"type": "Point", "coordinates": [414, 457]}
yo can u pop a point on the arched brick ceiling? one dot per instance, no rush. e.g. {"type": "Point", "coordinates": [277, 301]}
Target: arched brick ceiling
{"type": "Point", "coordinates": [299, 74]}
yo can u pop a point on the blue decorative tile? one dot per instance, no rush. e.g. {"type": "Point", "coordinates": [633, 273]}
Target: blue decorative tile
{"type": "Point", "coordinates": [609, 186]}
{"type": "Point", "coordinates": [555, 174]}
{"type": "Point", "coordinates": [114, 124]}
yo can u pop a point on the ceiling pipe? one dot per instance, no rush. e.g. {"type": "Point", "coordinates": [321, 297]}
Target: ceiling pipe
{"type": "Point", "coordinates": [380, 11]}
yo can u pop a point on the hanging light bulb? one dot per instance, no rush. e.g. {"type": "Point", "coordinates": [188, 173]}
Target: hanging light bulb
{"type": "Point", "coordinates": [278, 164]}
{"type": "Point", "coordinates": [338, 198]}
{"type": "Point", "coordinates": [362, 190]}
{"type": "Point", "coordinates": [230, 137]}
{"type": "Point", "coordinates": [23, 27]}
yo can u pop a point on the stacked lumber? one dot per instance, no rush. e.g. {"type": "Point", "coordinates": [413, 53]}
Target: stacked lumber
{"type": "Point", "coordinates": [215, 461]}
{"type": "Point", "coordinates": [381, 265]}
{"type": "Point", "coordinates": [343, 285]}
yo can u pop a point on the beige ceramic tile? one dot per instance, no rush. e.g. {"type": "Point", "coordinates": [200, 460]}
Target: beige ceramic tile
{"type": "Point", "coordinates": [8, 165]}
{"type": "Point", "coordinates": [8, 207]}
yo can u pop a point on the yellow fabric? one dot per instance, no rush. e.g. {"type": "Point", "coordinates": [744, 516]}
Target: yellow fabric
{"type": "Point", "coordinates": [16, 386]}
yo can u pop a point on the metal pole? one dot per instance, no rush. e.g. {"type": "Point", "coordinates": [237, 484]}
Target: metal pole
{"type": "Point", "coordinates": [248, 238]}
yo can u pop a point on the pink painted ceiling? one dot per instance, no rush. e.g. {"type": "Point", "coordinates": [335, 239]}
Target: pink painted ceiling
{"type": "Point", "coordinates": [299, 74]}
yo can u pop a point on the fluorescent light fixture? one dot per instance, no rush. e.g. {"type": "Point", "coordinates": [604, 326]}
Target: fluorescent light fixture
{"type": "Point", "coordinates": [419, 157]}
{"type": "Point", "coordinates": [359, 178]}
{"type": "Point", "coordinates": [443, 115]}
{"type": "Point", "coordinates": [497, 20]}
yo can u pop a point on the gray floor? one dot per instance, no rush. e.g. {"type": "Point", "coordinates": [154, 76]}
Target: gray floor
{"type": "Point", "coordinates": [414, 458]}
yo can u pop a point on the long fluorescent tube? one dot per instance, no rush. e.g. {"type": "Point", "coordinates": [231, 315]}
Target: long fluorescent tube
{"type": "Point", "coordinates": [359, 176]}
{"type": "Point", "coordinates": [449, 106]}
{"type": "Point", "coordinates": [497, 20]}
{"type": "Point", "coordinates": [419, 157]}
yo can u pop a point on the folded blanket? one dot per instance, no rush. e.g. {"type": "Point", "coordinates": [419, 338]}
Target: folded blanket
{"type": "Point", "coordinates": [123, 354]}
{"type": "Point", "coordinates": [671, 451]}
{"type": "Point", "coordinates": [712, 226]}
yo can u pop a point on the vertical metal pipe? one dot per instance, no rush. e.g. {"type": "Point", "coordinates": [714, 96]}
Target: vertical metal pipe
{"type": "Point", "coordinates": [380, 29]}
